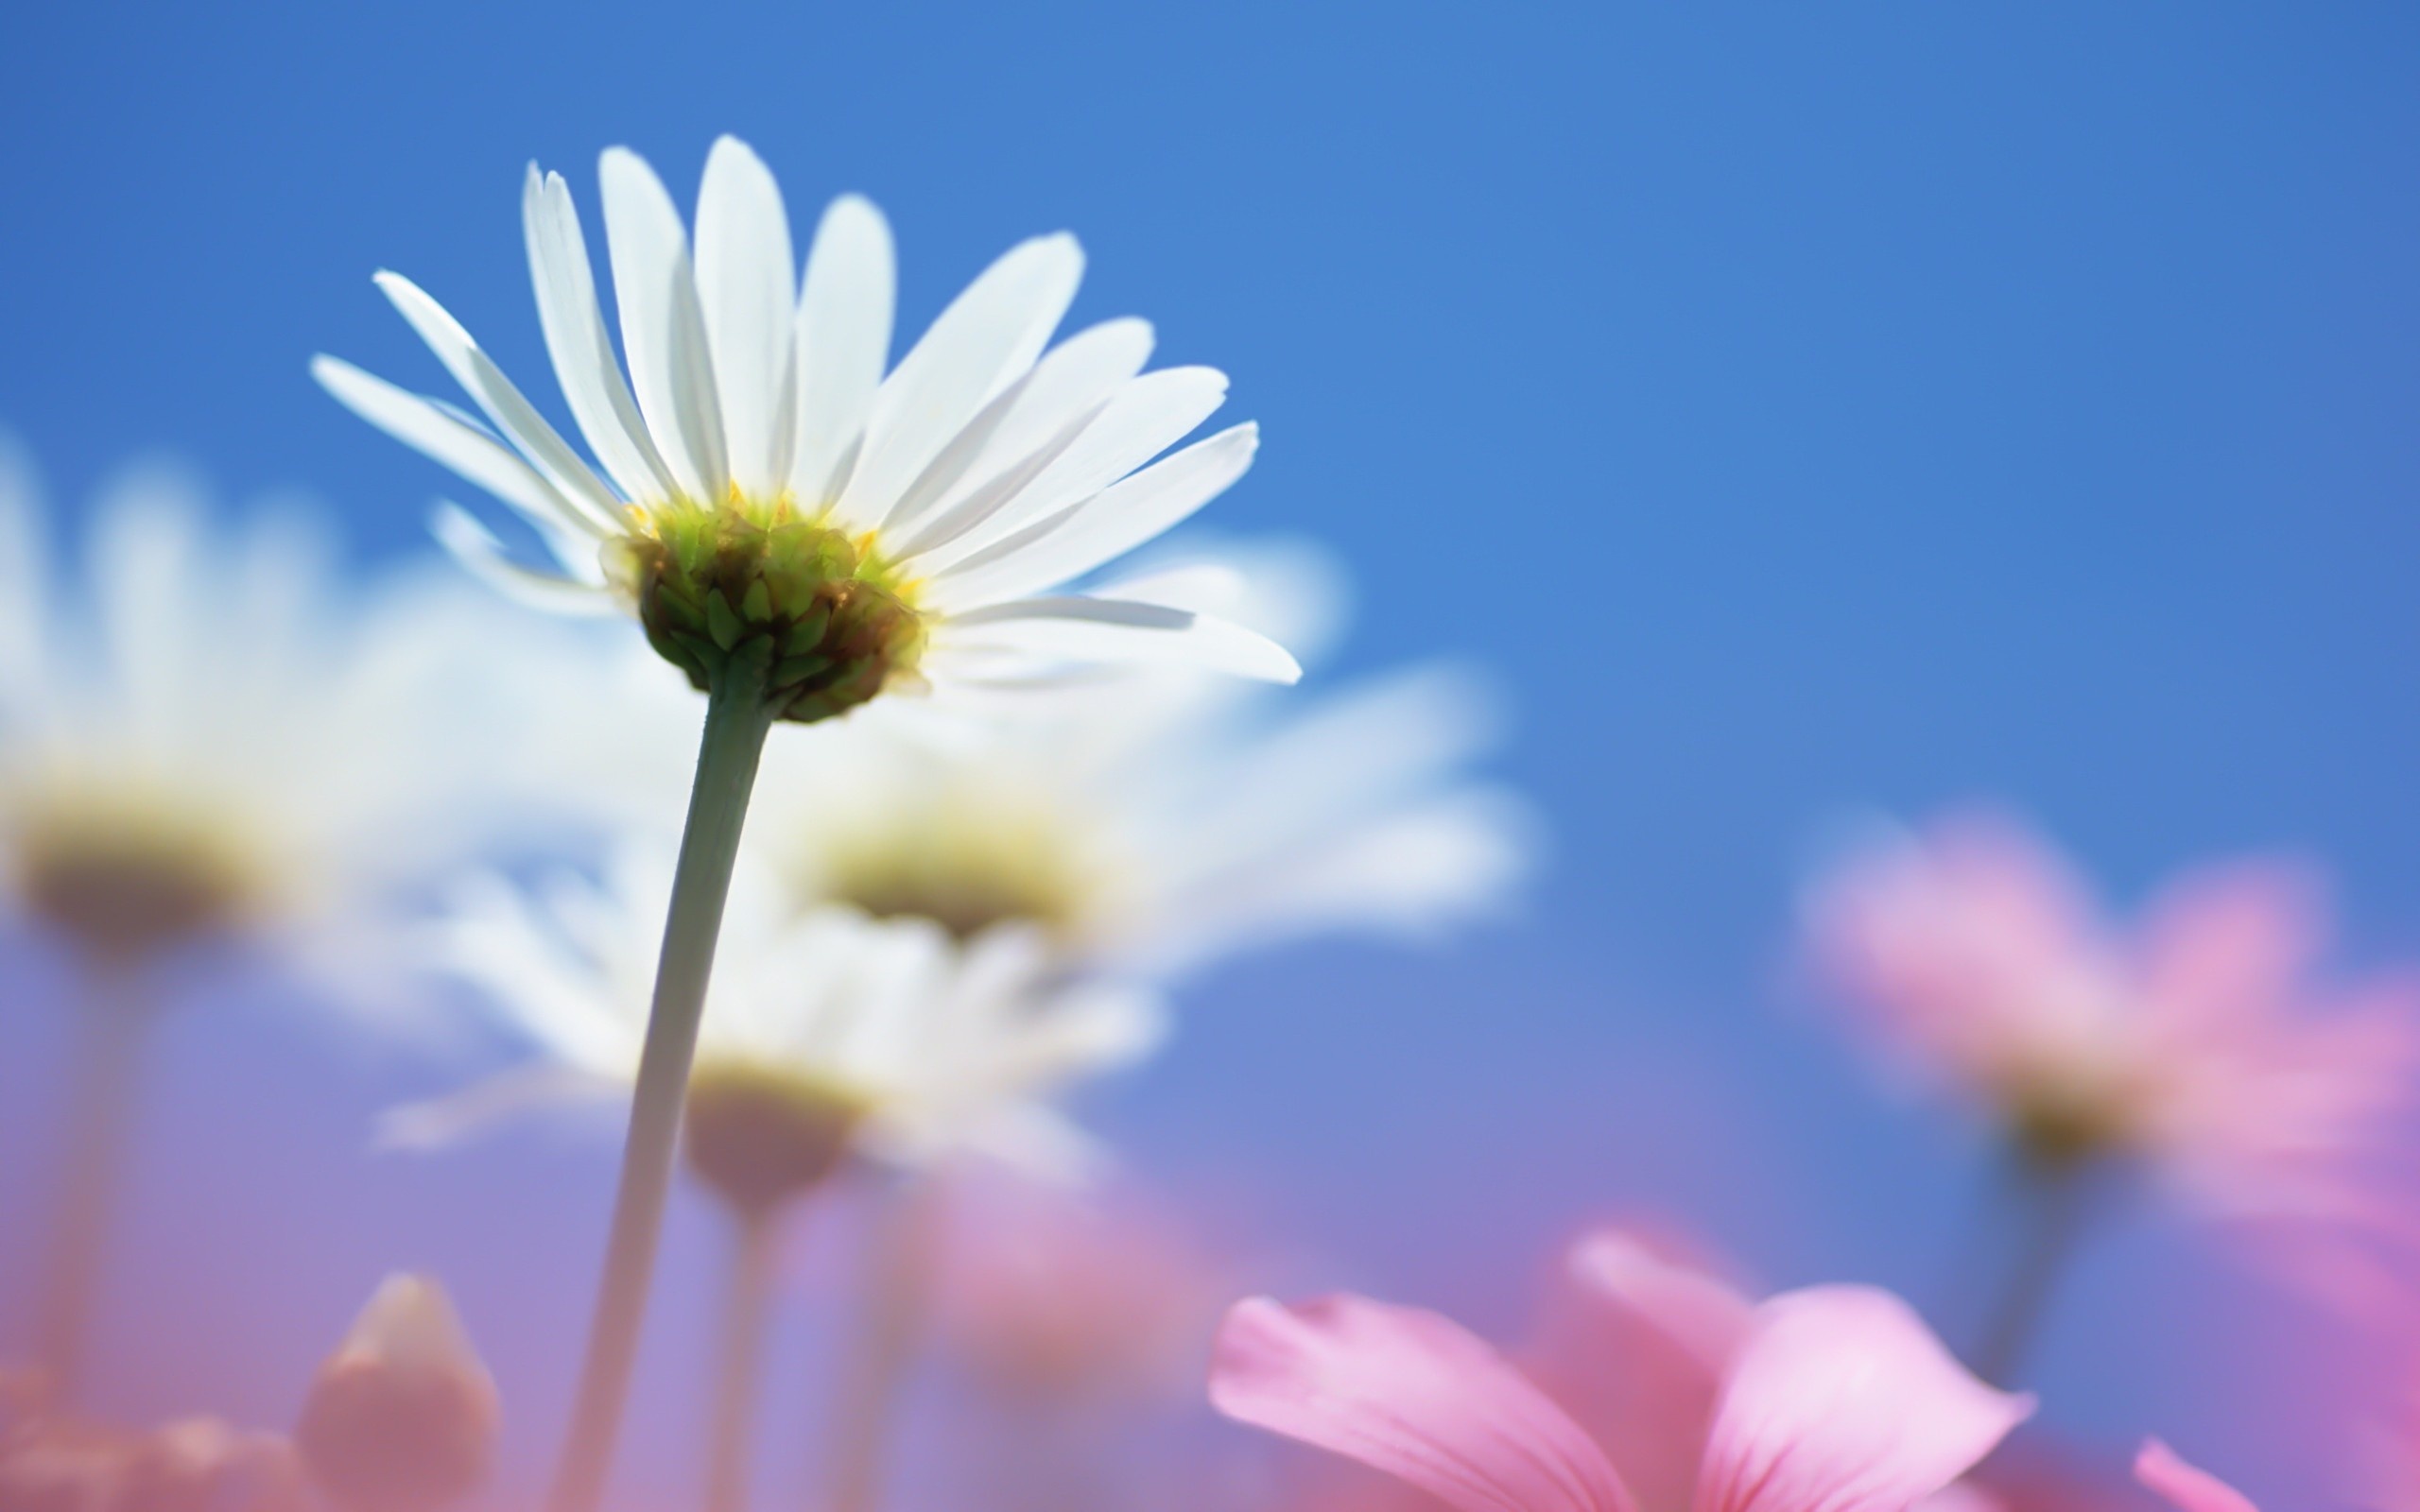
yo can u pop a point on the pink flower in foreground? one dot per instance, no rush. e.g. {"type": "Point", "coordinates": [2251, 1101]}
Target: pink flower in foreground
{"type": "Point", "coordinates": [2197, 1043]}
{"type": "Point", "coordinates": [1833, 1398]}
{"type": "Point", "coordinates": [2184, 1487]}
{"type": "Point", "coordinates": [1049, 1294]}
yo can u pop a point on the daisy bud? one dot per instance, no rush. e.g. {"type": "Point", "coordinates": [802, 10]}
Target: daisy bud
{"type": "Point", "coordinates": [758, 1137]}
{"type": "Point", "coordinates": [403, 1417]}
{"type": "Point", "coordinates": [765, 594]}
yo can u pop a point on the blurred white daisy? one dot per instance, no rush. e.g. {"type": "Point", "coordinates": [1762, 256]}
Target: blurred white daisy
{"type": "Point", "coordinates": [766, 497]}
{"type": "Point", "coordinates": [217, 732]}
{"type": "Point", "coordinates": [920, 1045]}
{"type": "Point", "coordinates": [1147, 825]}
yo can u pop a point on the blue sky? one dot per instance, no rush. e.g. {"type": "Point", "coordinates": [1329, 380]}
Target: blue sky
{"type": "Point", "coordinates": [1803, 410]}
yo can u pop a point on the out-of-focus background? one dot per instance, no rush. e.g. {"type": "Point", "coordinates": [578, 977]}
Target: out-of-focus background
{"type": "Point", "coordinates": [1803, 413]}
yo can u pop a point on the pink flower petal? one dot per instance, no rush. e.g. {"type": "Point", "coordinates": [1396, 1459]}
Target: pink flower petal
{"type": "Point", "coordinates": [2187, 1488]}
{"type": "Point", "coordinates": [1635, 1344]}
{"type": "Point", "coordinates": [1843, 1400]}
{"type": "Point", "coordinates": [1412, 1394]}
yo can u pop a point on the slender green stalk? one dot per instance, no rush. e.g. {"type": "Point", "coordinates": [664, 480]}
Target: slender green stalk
{"type": "Point", "coordinates": [747, 1315]}
{"type": "Point", "coordinates": [890, 1323]}
{"type": "Point", "coordinates": [2051, 1206]}
{"type": "Point", "coordinates": [738, 720]}
{"type": "Point", "coordinates": [113, 1031]}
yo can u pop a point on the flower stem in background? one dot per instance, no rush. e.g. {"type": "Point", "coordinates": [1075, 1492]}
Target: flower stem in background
{"type": "Point", "coordinates": [114, 1029]}
{"type": "Point", "coordinates": [2050, 1204]}
{"type": "Point", "coordinates": [741, 1360]}
{"type": "Point", "coordinates": [738, 720]}
{"type": "Point", "coordinates": [889, 1323]}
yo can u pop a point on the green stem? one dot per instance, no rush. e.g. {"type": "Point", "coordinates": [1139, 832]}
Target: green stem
{"type": "Point", "coordinates": [2052, 1206]}
{"type": "Point", "coordinates": [737, 721]}
{"type": "Point", "coordinates": [111, 1031]}
{"type": "Point", "coordinates": [740, 1370]}
{"type": "Point", "coordinates": [889, 1322]}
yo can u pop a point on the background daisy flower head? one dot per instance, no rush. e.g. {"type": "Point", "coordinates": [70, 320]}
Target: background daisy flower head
{"type": "Point", "coordinates": [925, 1046]}
{"type": "Point", "coordinates": [770, 501]}
{"type": "Point", "coordinates": [216, 734]}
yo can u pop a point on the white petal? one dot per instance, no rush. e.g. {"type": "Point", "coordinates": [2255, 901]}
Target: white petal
{"type": "Point", "coordinates": [449, 1120]}
{"type": "Point", "coordinates": [972, 509]}
{"type": "Point", "coordinates": [746, 273]}
{"type": "Point", "coordinates": [420, 423]}
{"type": "Point", "coordinates": [1060, 398]}
{"type": "Point", "coordinates": [1100, 629]}
{"type": "Point", "coordinates": [593, 383]}
{"type": "Point", "coordinates": [1111, 523]}
{"type": "Point", "coordinates": [512, 413]}
{"type": "Point", "coordinates": [1203, 586]}
{"type": "Point", "coordinates": [663, 333]}
{"type": "Point", "coordinates": [1075, 376]}
{"type": "Point", "coordinates": [1145, 417]}
{"type": "Point", "coordinates": [844, 340]}
{"type": "Point", "coordinates": [483, 557]}
{"type": "Point", "coordinates": [983, 342]}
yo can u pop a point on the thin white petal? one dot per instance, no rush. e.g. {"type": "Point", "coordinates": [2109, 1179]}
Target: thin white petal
{"type": "Point", "coordinates": [1111, 523]}
{"type": "Point", "coordinates": [1203, 586]}
{"type": "Point", "coordinates": [1097, 629]}
{"type": "Point", "coordinates": [1145, 417]}
{"type": "Point", "coordinates": [483, 557]}
{"type": "Point", "coordinates": [663, 332]}
{"type": "Point", "coordinates": [420, 423]}
{"type": "Point", "coordinates": [844, 314]}
{"type": "Point", "coordinates": [1075, 376]}
{"type": "Point", "coordinates": [444, 1121]}
{"type": "Point", "coordinates": [746, 275]}
{"type": "Point", "coordinates": [591, 379]}
{"type": "Point", "coordinates": [984, 341]}
{"type": "Point", "coordinates": [504, 405]}
{"type": "Point", "coordinates": [1056, 401]}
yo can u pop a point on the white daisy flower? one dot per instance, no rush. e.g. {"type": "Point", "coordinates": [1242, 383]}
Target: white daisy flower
{"type": "Point", "coordinates": [884, 1034]}
{"type": "Point", "coordinates": [223, 735]}
{"type": "Point", "coordinates": [764, 497]}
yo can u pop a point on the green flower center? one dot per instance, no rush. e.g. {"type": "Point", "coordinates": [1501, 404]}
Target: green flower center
{"type": "Point", "coordinates": [761, 591]}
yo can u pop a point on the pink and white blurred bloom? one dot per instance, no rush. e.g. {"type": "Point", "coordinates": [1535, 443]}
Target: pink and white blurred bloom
{"type": "Point", "coordinates": [2200, 1044]}
{"type": "Point", "coordinates": [1831, 1399]}
{"type": "Point", "coordinates": [1057, 1297]}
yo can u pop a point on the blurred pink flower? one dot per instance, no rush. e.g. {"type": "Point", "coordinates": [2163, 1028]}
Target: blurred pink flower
{"type": "Point", "coordinates": [1832, 1398]}
{"type": "Point", "coordinates": [1049, 1294]}
{"type": "Point", "coordinates": [2198, 1044]}
{"type": "Point", "coordinates": [2184, 1487]}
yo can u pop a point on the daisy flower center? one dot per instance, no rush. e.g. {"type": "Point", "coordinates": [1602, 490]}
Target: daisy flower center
{"type": "Point", "coordinates": [125, 874]}
{"type": "Point", "coordinates": [759, 1135]}
{"type": "Point", "coordinates": [966, 868]}
{"type": "Point", "coordinates": [767, 591]}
